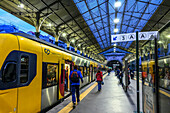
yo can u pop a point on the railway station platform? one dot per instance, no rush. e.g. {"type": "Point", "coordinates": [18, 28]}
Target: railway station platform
{"type": "Point", "coordinates": [111, 99]}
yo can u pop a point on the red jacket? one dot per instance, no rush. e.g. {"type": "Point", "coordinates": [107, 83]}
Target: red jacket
{"type": "Point", "coordinates": [99, 76]}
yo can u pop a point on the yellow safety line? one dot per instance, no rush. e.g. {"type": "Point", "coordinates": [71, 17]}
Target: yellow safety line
{"type": "Point", "coordinates": [69, 107]}
{"type": "Point", "coordinates": [163, 92]}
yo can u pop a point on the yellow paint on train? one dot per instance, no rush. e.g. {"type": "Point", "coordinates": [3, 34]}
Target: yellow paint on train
{"type": "Point", "coordinates": [29, 97]}
{"type": "Point", "coordinates": [8, 98]}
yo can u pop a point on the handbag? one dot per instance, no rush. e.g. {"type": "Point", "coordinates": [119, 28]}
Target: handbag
{"type": "Point", "coordinates": [102, 83]}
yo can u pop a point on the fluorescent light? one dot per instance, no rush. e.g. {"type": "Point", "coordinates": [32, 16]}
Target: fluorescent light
{"type": "Point", "coordinates": [116, 20]}
{"type": "Point", "coordinates": [21, 5]}
{"type": "Point", "coordinates": [115, 30]}
{"type": "Point", "coordinates": [64, 34]}
{"type": "Point", "coordinates": [117, 4]}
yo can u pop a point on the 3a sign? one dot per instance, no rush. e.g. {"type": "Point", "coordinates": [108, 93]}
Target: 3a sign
{"type": "Point", "coordinates": [132, 36]}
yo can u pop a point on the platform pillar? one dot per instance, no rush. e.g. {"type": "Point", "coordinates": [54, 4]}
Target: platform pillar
{"type": "Point", "coordinates": [137, 69]}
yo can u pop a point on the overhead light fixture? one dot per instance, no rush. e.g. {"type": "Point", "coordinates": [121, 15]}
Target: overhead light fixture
{"type": "Point", "coordinates": [116, 30]}
{"type": "Point", "coordinates": [116, 20]}
{"type": "Point", "coordinates": [159, 42]}
{"type": "Point", "coordinates": [73, 40]}
{"type": "Point", "coordinates": [168, 36]}
{"type": "Point", "coordinates": [21, 5]}
{"type": "Point", "coordinates": [50, 24]}
{"type": "Point", "coordinates": [117, 4]}
{"type": "Point", "coordinates": [64, 34]}
{"type": "Point", "coordinates": [114, 44]}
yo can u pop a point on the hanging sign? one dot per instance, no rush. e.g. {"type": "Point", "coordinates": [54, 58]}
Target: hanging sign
{"type": "Point", "coordinates": [132, 36]}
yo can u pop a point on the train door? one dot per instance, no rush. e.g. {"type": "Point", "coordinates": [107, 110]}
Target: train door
{"type": "Point", "coordinates": [30, 76]}
{"type": "Point", "coordinates": [68, 69]}
{"type": "Point", "coordinates": [91, 72]}
{"type": "Point", "coordinates": [50, 84]}
{"type": "Point", "coordinates": [88, 74]}
{"type": "Point", "coordinates": [67, 82]}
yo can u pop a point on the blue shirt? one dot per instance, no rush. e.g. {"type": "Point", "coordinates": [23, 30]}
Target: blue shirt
{"type": "Point", "coordinates": [80, 76]}
{"type": "Point", "coordinates": [118, 71]}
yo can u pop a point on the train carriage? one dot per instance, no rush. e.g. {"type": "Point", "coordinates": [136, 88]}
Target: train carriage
{"type": "Point", "coordinates": [34, 73]}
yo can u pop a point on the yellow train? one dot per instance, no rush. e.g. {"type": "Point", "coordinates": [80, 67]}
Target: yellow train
{"type": "Point", "coordinates": [33, 73]}
{"type": "Point", "coordinates": [148, 72]}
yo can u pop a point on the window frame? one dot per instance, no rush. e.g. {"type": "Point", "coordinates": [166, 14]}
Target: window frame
{"type": "Point", "coordinates": [44, 75]}
{"type": "Point", "coordinates": [5, 67]}
{"type": "Point", "coordinates": [28, 78]}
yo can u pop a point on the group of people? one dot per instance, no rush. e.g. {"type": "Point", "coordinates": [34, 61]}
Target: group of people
{"type": "Point", "coordinates": [75, 77]}
{"type": "Point", "coordinates": [119, 75]}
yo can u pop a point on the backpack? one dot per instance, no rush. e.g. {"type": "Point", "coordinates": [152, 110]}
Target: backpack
{"type": "Point", "coordinates": [74, 77]}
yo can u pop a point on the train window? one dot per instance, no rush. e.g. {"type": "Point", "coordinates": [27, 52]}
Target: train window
{"type": "Point", "coordinates": [85, 72]}
{"type": "Point", "coordinates": [24, 69]}
{"type": "Point", "coordinates": [9, 72]}
{"type": "Point", "coordinates": [51, 74]}
{"type": "Point", "coordinates": [88, 72]}
{"type": "Point", "coordinates": [81, 69]}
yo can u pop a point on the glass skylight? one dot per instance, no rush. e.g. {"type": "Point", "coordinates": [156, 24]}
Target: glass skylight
{"type": "Point", "coordinates": [101, 17]}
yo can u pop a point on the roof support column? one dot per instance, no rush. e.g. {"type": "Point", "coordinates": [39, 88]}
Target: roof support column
{"type": "Point", "coordinates": [81, 51]}
{"type": "Point", "coordinates": [37, 24]}
{"type": "Point", "coordinates": [56, 36]}
{"type": "Point", "coordinates": [68, 45]}
{"type": "Point", "coordinates": [87, 52]}
{"type": "Point", "coordinates": [56, 39]}
{"type": "Point", "coordinates": [75, 49]}
{"type": "Point", "coordinates": [91, 56]}
{"type": "Point", "coordinates": [84, 51]}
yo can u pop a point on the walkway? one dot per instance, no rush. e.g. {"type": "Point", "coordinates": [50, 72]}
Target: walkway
{"type": "Point", "coordinates": [111, 99]}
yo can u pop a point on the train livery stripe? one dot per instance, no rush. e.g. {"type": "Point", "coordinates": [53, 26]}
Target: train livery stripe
{"type": "Point", "coordinates": [69, 107]}
{"type": "Point", "coordinates": [163, 92]}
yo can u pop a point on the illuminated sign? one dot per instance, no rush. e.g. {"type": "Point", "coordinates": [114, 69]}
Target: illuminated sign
{"type": "Point", "coordinates": [132, 36]}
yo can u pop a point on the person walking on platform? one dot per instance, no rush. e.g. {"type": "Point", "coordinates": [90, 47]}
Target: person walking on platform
{"type": "Point", "coordinates": [74, 77]}
{"type": "Point", "coordinates": [118, 72]}
{"type": "Point", "coordinates": [109, 70]}
{"type": "Point", "coordinates": [128, 76]}
{"type": "Point", "coordinates": [121, 77]}
{"type": "Point", "coordinates": [132, 73]}
{"type": "Point", "coordinates": [99, 77]}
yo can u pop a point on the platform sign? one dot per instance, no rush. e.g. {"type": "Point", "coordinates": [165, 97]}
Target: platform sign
{"type": "Point", "coordinates": [132, 36]}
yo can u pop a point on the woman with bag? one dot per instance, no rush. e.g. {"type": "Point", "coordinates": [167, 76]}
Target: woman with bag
{"type": "Point", "coordinates": [99, 79]}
